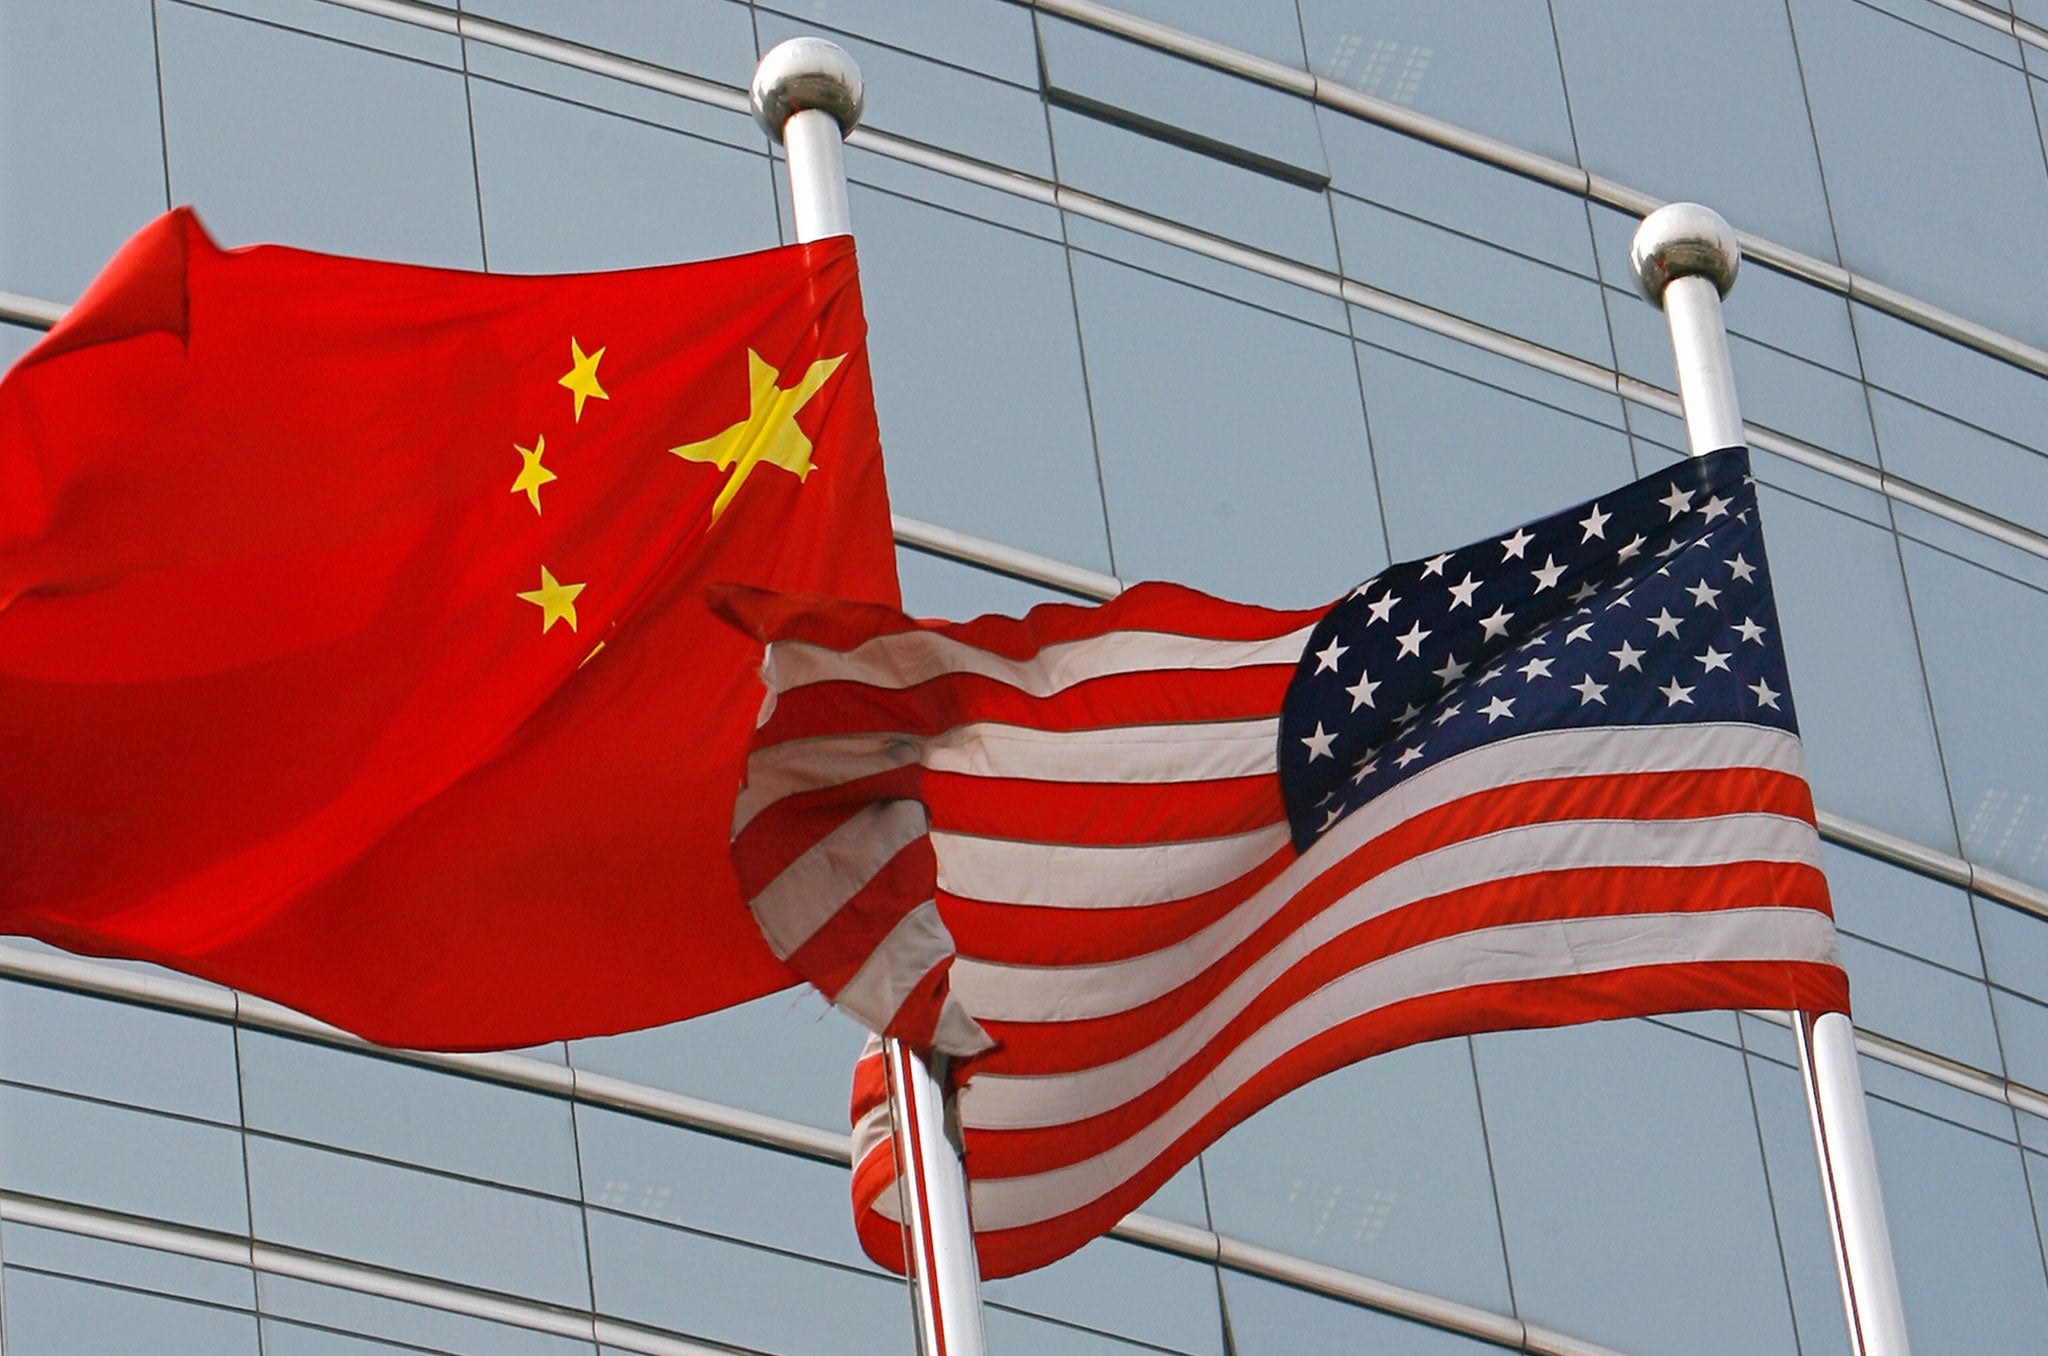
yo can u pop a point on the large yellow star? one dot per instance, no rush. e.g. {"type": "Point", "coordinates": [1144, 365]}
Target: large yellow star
{"type": "Point", "coordinates": [556, 601]}
{"type": "Point", "coordinates": [768, 434]}
{"type": "Point", "coordinates": [532, 475]}
{"type": "Point", "coordinates": [582, 376]}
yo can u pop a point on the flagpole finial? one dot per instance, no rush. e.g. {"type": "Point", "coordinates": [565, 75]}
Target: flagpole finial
{"type": "Point", "coordinates": [1681, 240]}
{"type": "Point", "coordinates": [806, 73]}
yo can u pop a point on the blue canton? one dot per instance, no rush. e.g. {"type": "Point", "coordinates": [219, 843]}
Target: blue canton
{"type": "Point", "coordinates": [1648, 606]}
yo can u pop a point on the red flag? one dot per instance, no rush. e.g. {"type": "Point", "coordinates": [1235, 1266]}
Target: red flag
{"type": "Point", "coordinates": [353, 645]}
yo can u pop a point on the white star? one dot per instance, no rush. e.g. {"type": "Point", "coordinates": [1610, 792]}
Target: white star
{"type": "Point", "coordinates": [1630, 551]}
{"type": "Point", "coordinates": [1749, 630]}
{"type": "Point", "coordinates": [1671, 548]}
{"type": "Point", "coordinates": [1514, 545]}
{"type": "Point", "coordinates": [1435, 564]}
{"type": "Point", "coordinates": [1382, 607]}
{"type": "Point", "coordinates": [1714, 659]}
{"type": "Point", "coordinates": [1496, 625]}
{"type": "Point", "coordinates": [1461, 594]}
{"type": "Point", "coordinates": [1666, 624]}
{"type": "Point", "coordinates": [1740, 568]}
{"type": "Point", "coordinates": [1583, 631]}
{"type": "Point", "coordinates": [1716, 507]}
{"type": "Point", "coordinates": [1319, 743]}
{"type": "Point", "coordinates": [1410, 756]}
{"type": "Point", "coordinates": [1583, 592]}
{"type": "Point", "coordinates": [1595, 524]}
{"type": "Point", "coordinates": [1336, 813]}
{"type": "Point", "coordinates": [1764, 695]}
{"type": "Point", "coordinates": [1534, 669]}
{"type": "Point", "coordinates": [1622, 599]}
{"type": "Point", "coordinates": [1678, 501]}
{"type": "Point", "coordinates": [1628, 657]}
{"type": "Point", "coordinates": [1452, 671]}
{"type": "Point", "coordinates": [1327, 657]}
{"type": "Point", "coordinates": [1453, 709]}
{"type": "Point", "coordinates": [1674, 694]}
{"type": "Point", "coordinates": [1411, 641]}
{"type": "Point", "coordinates": [1361, 691]}
{"type": "Point", "coordinates": [1364, 768]}
{"type": "Point", "coordinates": [1548, 574]}
{"type": "Point", "coordinates": [1704, 594]}
{"type": "Point", "coordinates": [1497, 708]}
{"type": "Point", "coordinates": [1408, 714]}
{"type": "Point", "coordinates": [1590, 691]}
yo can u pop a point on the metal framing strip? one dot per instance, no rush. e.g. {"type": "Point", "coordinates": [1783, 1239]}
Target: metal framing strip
{"type": "Point", "coordinates": [105, 980]}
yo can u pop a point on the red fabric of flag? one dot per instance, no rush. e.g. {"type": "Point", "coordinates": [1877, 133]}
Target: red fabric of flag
{"type": "Point", "coordinates": [353, 643]}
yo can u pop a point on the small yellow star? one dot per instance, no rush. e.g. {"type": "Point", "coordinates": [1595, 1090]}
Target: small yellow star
{"type": "Point", "coordinates": [582, 377]}
{"type": "Point", "coordinates": [556, 601]}
{"type": "Point", "coordinates": [532, 475]}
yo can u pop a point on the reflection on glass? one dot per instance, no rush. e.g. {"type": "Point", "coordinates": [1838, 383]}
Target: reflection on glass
{"type": "Point", "coordinates": [1803, 1237]}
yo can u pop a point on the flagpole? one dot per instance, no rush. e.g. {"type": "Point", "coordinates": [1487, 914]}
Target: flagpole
{"type": "Point", "coordinates": [1685, 258]}
{"type": "Point", "coordinates": [807, 94]}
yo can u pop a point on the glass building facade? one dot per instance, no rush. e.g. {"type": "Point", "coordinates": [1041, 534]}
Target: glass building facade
{"type": "Point", "coordinates": [1257, 295]}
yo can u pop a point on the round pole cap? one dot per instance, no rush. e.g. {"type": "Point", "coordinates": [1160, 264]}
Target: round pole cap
{"type": "Point", "coordinates": [806, 73]}
{"type": "Point", "coordinates": [1681, 240]}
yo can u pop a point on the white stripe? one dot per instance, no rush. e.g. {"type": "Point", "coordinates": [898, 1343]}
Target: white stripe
{"type": "Point", "coordinates": [1124, 754]}
{"type": "Point", "coordinates": [832, 871]}
{"type": "Point", "coordinates": [906, 658]}
{"type": "Point", "coordinates": [1521, 953]}
{"type": "Point", "coordinates": [1012, 993]}
{"type": "Point", "coordinates": [1068, 875]}
{"type": "Point", "coordinates": [917, 944]}
{"type": "Point", "coordinates": [1094, 878]}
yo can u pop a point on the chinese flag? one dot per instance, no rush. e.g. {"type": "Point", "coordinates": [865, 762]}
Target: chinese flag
{"type": "Point", "coordinates": [353, 644]}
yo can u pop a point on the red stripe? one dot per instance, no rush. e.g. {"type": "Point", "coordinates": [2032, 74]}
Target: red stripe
{"type": "Point", "coordinates": [1102, 814]}
{"type": "Point", "coordinates": [1555, 1002]}
{"type": "Point", "coordinates": [795, 824]}
{"type": "Point", "coordinates": [834, 953]}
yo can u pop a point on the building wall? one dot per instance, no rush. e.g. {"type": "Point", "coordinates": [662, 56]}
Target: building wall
{"type": "Point", "coordinates": [1260, 342]}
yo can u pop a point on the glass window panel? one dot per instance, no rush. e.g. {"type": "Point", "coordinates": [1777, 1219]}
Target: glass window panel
{"type": "Point", "coordinates": [77, 175]}
{"type": "Point", "coordinates": [1013, 1334]}
{"type": "Point", "coordinates": [711, 38]}
{"type": "Point", "coordinates": [568, 189]}
{"type": "Point", "coordinates": [934, 586]}
{"type": "Point", "coordinates": [53, 1316]}
{"type": "Point", "coordinates": [2023, 1026]}
{"type": "Point", "coordinates": [1714, 1026]}
{"type": "Point", "coordinates": [118, 1051]}
{"type": "Point", "coordinates": [1958, 27]}
{"type": "Point", "coordinates": [1511, 458]}
{"type": "Point", "coordinates": [2015, 947]}
{"type": "Point", "coordinates": [2034, 1134]}
{"type": "Point", "coordinates": [1267, 28]}
{"type": "Point", "coordinates": [664, 1172]}
{"type": "Point", "coordinates": [1505, 291]}
{"type": "Point", "coordinates": [1181, 1198]}
{"type": "Point", "coordinates": [417, 1221]}
{"type": "Point", "coordinates": [1902, 909]}
{"type": "Point", "coordinates": [1982, 635]}
{"type": "Point", "coordinates": [1921, 1004]}
{"type": "Point", "coordinates": [936, 189]}
{"type": "Point", "coordinates": [1942, 374]}
{"type": "Point", "coordinates": [733, 127]}
{"type": "Point", "coordinates": [718, 1057]}
{"type": "Point", "coordinates": [16, 340]}
{"type": "Point", "coordinates": [125, 1264]}
{"type": "Point", "coordinates": [1598, 403]}
{"type": "Point", "coordinates": [1890, 1083]}
{"type": "Point", "coordinates": [978, 384]}
{"type": "Point", "coordinates": [278, 136]}
{"type": "Point", "coordinates": [1968, 1256]}
{"type": "Point", "coordinates": [1247, 423]}
{"type": "Point", "coordinates": [987, 35]}
{"type": "Point", "coordinates": [1492, 68]}
{"type": "Point", "coordinates": [291, 1339]}
{"type": "Point", "coordinates": [1850, 646]}
{"type": "Point", "coordinates": [1269, 1319]}
{"type": "Point", "coordinates": [1194, 189]}
{"type": "Point", "coordinates": [1952, 458]}
{"type": "Point", "coordinates": [1643, 118]}
{"type": "Point", "coordinates": [1457, 192]}
{"type": "Point", "coordinates": [936, 104]}
{"type": "Point", "coordinates": [351, 1100]}
{"type": "Point", "coordinates": [320, 19]}
{"type": "Point", "coordinates": [413, 1326]}
{"type": "Point", "coordinates": [1804, 1241]}
{"type": "Point", "coordinates": [1379, 1168]}
{"type": "Point", "coordinates": [134, 1162]}
{"type": "Point", "coordinates": [1632, 1189]}
{"type": "Point", "coordinates": [1316, 306]}
{"type": "Point", "coordinates": [1121, 1288]}
{"type": "Point", "coordinates": [1933, 163]}
{"type": "Point", "coordinates": [1181, 94]}
{"type": "Point", "coordinates": [709, 1288]}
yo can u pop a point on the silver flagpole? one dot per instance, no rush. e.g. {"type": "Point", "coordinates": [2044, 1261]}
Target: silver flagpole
{"type": "Point", "coordinates": [807, 94]}
{"type": "Point", "coordinates": [1685, 258]}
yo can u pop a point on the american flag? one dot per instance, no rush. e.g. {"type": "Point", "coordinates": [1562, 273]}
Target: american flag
{"type": "Point", "coordinates": [1184, 855]}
